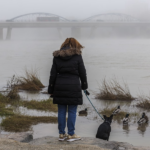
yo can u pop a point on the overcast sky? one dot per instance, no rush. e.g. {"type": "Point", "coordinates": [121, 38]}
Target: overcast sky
{"type": "Point", "coordinates": [74, 9]}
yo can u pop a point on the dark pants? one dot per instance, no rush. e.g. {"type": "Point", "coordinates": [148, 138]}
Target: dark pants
{"type": "Point", "coordinates": [72, 110]}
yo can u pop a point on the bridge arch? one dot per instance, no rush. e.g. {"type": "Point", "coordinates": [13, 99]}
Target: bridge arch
{"type": "Point", "coordinates": [112, 17]}
{"type": "Point", "coordinates": [33, 16]}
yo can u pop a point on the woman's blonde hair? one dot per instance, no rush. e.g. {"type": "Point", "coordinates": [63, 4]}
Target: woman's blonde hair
{"type": "Point", "coordinates": [71, 42]}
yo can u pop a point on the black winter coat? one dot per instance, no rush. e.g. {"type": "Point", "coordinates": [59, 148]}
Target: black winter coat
{"type": "Point", "coordinates": [66, 73]}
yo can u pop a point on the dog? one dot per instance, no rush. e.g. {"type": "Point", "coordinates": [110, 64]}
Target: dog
{"type": "Point", "coordinates": [105, 128]}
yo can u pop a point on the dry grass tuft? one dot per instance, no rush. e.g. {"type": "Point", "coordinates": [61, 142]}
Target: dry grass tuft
{"type": "Point", "coordinates": [30, 82]}
{"type": "Point", "coordinates": [20, 123]}
{"type": "Point", "coordinates": [13, 94]}
{"type": "Point", "coordinates": [12, 89]}
{"type": "Point", "coordinates": [144, 102]}
{"type": "Point", "coordinates": [5, 111]}
{"type": "Point", "coordinates": [44, 105]}
{"type": "Point", "coordinates": [112, 90]}
{"type": "Point", "coordinates": [3, 99]}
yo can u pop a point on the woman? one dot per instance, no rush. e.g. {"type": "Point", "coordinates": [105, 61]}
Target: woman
{"type": "Point", "coordinates": [65, 87]}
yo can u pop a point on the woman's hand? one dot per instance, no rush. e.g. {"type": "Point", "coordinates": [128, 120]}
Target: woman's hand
{"type": "Point", "coordinates": [86, 92]}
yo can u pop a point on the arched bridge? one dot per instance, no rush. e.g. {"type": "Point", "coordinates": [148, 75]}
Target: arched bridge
{"type": "Point", "coordinates": [104, 22]}
{"type": "Point", "coordinates": [38, 16]}
{"type": "Point", "coordinates": [45, 17]}
{"type": "Point", "coordinates": [112, 17]}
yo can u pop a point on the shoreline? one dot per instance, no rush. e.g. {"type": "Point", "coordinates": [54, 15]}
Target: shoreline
{"type": "Point", "coordinates": [25, 140]}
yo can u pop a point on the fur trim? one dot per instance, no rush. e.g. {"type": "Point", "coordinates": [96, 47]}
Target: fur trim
{"type": "Point", "coordinates": [67, 52]}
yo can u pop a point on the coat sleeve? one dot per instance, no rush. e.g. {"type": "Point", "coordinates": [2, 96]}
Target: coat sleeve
{"type": "Point", "coordinates": [52, 79]}
{"type": "Point", "coordinates": [82, 74]}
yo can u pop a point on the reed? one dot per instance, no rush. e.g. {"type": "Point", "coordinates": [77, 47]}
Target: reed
{"type": "Point", "coordinates": [5, 111]}
{"type": "Point", "coordinates": [30, 81]}
{"type": "Point", "coordinates": [3, 98]}
{"type": "Point", "coordinates": [144, 102]}
{"type": "Point", "coordinates": [12, 89]}
{"type": "Point", "coordinates": [21, 123]}
{"type": "Point", "coordinates": [112, 90]}
{"type": "Point", "coordinates": [44, 105]}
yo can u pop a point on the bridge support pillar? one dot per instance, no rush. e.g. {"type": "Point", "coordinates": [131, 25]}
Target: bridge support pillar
{"type": "Point", "coordinates": [8, 36]}
{"type": "Point", "coordinates": [92, 32]}
{"type": "Point", "coordinates": [76, 32]}
{"type": "Point", "coordinates": [60, 33]}
{"type": "Point", "coordinates": [1, 33]}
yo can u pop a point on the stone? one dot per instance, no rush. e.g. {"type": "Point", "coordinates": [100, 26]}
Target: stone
{"type": "Point", "coordinates": [7, 144]}
{"type": "Point", "coordinates": [87, 141]}
{"type": "Point", "coordinates": [52, 143]}
{"type": "Point", "coordinates": [20, 136]}
{"type": "Point", "coordinates": [112, 145]}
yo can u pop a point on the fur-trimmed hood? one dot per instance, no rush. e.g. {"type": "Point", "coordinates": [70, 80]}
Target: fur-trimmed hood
{"type": "Point", "coordinates": [67, 52]}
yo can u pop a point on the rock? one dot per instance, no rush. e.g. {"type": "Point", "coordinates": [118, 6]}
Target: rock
{"type": "Point", "coordinates": [84, 141]}
{"type": "Point", "coordinates": [20, 136]}
{"type": "Point", "coordinates": [7, 144]}
{"type": "Point", "coordinates": [111, 145]}
{"type": "Point", "coordinates": [52, 143]}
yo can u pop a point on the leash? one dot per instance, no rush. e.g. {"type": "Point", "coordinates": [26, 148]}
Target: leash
{"type": "Point", "coordinates": [93, 105]}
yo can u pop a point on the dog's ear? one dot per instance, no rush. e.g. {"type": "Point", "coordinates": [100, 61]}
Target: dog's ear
{"type": "Point", "coordinates": [104, 116]}
{"type": "Point", "coordinates": [111, 116]}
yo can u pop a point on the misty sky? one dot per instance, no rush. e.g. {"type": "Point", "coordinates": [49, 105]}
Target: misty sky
{"type": "Point", "coordinates": [74, 9]}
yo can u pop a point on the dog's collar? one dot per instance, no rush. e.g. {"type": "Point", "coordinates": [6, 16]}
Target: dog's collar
{"type": "Point", "coordinates": [107, 122]}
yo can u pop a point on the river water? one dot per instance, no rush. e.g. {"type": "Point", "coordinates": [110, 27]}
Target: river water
{"type": "Point", "coordinates": [126, 59]}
